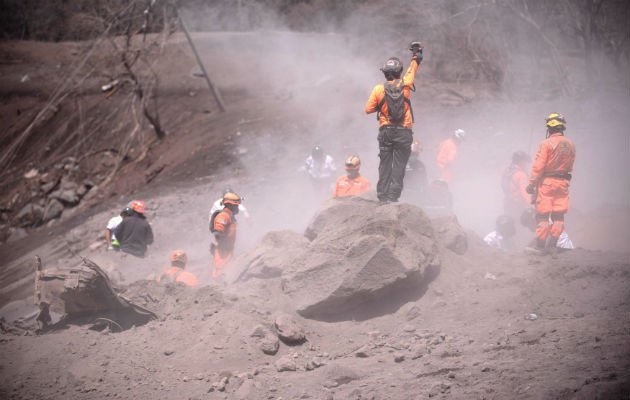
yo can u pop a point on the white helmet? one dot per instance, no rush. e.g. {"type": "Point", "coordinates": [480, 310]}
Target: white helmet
{"type": "Point", "coordinates": [459, 134]}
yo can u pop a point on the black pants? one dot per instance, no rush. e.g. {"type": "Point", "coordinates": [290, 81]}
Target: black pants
{"type": "Point", "coordinates": [395, 147]}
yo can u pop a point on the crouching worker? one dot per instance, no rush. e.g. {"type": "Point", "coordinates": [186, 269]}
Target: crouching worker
{"type": "Point", "coordinates": [352, 183]}
{"type": "Point", "coordinates": [176, 272]}
{"type": "Point", "coordinates": [223, 227]}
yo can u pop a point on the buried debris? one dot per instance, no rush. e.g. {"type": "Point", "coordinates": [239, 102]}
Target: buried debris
{"type": "Point", "coordinates": [83, 294]}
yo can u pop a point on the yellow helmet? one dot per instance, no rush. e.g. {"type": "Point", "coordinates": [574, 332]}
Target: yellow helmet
{"type": "Point", "coordinates": [554, 120]}
{"type": "Point", "coordinates": [353, 163]}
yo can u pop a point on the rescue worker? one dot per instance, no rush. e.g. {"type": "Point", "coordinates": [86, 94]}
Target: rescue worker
{"type": "Point", "coordinates": [502, 237]}
{"type": "Point", "coordinates": [549, 181]}
{"type": "Point", "coordinates": [391, 101]}
{"type": "Point", "coordinates": [438, 199]}
{"type": "Point", "coordinates": [447, 153]}
{"type": "Point", "coordinates": [223, 226]}
{"type": "Point", "coordinates": [416, 171]}
{"type": "Point", "coordinates": [514, 184]}
{"type": "Point", "coordinates": [110, 237]}
{"type": "Point", "coordinates": [352, 183]}
{"type": "Point", "coordinates": [134, 232]}
{"type": "Point", "coordinates": [177, 273]}
{"type": "Point", "coordinates": [319, 165]}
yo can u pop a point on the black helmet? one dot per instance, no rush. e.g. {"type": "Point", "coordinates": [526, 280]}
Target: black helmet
{"type": "Point", "coordinates": [505, 226]}
{"type": "Point", "coordinates": [521, 158]}
{"type": "Point", "coordinates": [392, 66]}
{"type": "Point", "coordinates": [127, 211]}
{"type": "Point", "coordinates": [317, 152]}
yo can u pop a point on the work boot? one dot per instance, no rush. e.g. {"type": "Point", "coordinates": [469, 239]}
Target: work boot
{"type": "Point", "coordinates": [538, 249]}
{"type": "Point", "coordinates": [552, 248]}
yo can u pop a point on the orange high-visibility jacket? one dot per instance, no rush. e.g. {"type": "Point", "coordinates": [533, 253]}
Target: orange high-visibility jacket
{"type": "Point", "coordinates": [555, 155]}
{"type": "Point", "coordinates": [350, 187]}
{"type": "Point", "coordinates": [180, 276]}
{"type": "Point", "coordinates": [447, 152]}
{"type": "Point", "coordinates": [224, 222]}
{"type": "Point", "coordinates": [378, 93]}
{"type": "Point", "coordinates": [518, 186]}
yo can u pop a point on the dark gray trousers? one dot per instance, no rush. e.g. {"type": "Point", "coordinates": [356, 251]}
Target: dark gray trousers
{"type": "Point", "coordinates": [395, 147]}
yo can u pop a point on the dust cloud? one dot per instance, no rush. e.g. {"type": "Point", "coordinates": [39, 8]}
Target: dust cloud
{"type": "Point", "coordinates": [321, 82]}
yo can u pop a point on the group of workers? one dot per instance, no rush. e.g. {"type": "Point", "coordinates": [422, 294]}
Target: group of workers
{"type": "Point", "coordinates": [548, 181]}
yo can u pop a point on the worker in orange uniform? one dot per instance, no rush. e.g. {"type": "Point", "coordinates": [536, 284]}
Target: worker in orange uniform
{"type": "Point", "coordinates": [176, 272]}
{"type": "Point", "coordinates": [352, 183]}
{"type": "Point", "coordinates": [447, 153]}
{"type": "Point", "coordinates": [514, 184]}
{"type": "Point", "coordinates": [391, 101]}
{"type": "Point", "coordinates": [223, 226]}
{"type": "Point", "coordinates": [549, 180]}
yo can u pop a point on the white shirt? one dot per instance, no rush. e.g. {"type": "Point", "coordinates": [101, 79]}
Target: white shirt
{"type": "Point", "coordinates": [494, 239]}
{"type": "Point", "coordinates": [318, 169]}
{"type": "Point", "coordinates": [217, 206]}
{"type": "Point", "coordinates": [112, 224]}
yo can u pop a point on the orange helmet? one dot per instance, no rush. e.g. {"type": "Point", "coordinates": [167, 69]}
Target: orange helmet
{"type": "Point", "coordinates": [138, 206]}
{"type": "Point", "coordinates": [353, 163]}
{"type": "Point", "coordinates": [179, 255]}
{"type": "Point", "coordinates": [231, 198]}
{"type": "Point", "coordinates": [416, 147]}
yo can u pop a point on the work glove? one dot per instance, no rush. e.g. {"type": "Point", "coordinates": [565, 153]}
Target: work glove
{"type": "Point", "coordinates": [418, 57]}
{"type": "Point", "coordinates": [110, 248]}
{"type": "Point", "coordinates": [531, 189]}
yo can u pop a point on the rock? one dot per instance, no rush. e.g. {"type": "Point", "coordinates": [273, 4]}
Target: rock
{"type": "Point", "coordinates": [269, 343]}
{"type": "Point", "coordinates": [271, 254]}
{"type": "Point", "coordinates": [286, 363]}
{"type": "Point", "coordinates": [399, 357]}
{"type": "Point", "coordinates": [68, 196]}
{"type": "Point", "coordinates": [54, 208]}
{"type": "Point", "coordinates": [360, 252]}
{"type": "Point", "coordinates": [30, 213]}
{"type": "Point", "coordinates": [363, 352]}
{"type": "Point", "coordinates": [168, 352]}
{"type": "Point", "coordinates": [32, 173]}
{"type": "Point", "coordinates": [450, 234]}
{"type": "Point", "coordinates": [337, 375]}
{"type": "Point", "coordinates": [288, 330]}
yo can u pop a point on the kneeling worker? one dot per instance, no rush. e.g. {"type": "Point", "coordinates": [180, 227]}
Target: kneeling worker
{"type": "Point", "coordinates": [223, 226]}
{"type": "Point", "coordinates": [352, 183]}
{"type": "Point", "coordinates": [176, 273]}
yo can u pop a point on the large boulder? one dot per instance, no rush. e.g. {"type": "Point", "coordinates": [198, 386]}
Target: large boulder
{"type": "Point", "coordinates": [360, 252]}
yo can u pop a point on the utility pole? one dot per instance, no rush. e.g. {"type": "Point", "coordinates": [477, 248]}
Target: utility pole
{"type": "Point", "coordinates": [215, 91]}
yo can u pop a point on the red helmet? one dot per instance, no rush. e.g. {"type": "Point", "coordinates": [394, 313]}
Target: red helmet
{"type": "Point", "coordinates": [179, 255]}
{"type": "Point", "coordinates": [138, 206]}
{"type": "Point", "coordinates": [353, 163]}
{"type": "Point", "coordinates": [231, 198]}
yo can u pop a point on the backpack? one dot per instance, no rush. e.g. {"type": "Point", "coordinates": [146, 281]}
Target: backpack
{"type": "Point", "coordinates": [395, 98]}
{"type": "Point", "coordinates": [212, 218]}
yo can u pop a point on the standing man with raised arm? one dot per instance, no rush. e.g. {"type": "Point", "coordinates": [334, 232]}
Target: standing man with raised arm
{"type": "Point", "coordinates": [391, 101]}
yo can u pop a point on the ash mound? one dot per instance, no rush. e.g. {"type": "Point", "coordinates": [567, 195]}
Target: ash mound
{"type": "Point", "coordinates": [357, 259]}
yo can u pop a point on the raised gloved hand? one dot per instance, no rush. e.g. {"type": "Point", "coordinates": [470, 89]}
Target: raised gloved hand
{"type": "Point", "coordinates": [418, 57]}
{"type": "Point", "coordinates": [531, 189]}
